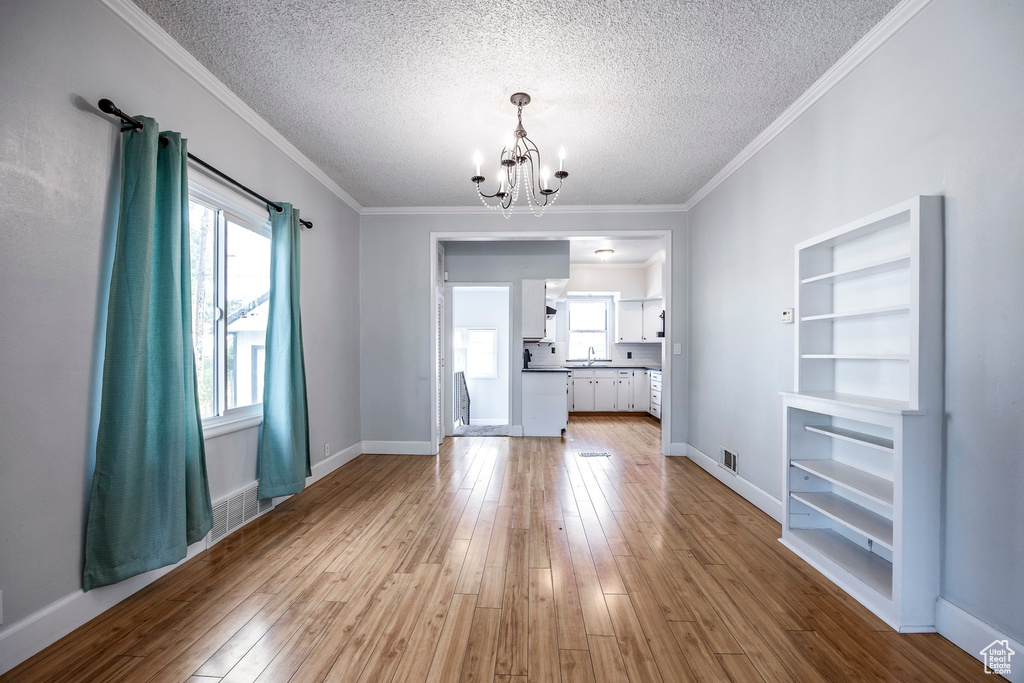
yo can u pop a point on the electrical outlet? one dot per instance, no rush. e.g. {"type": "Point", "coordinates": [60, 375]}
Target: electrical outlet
{"type": "Point", "coordinates": [327, 450]}
{"type": "Point", "coordinates": [629, 354]}
{"type": "Point", "coordinates": [552, 348]}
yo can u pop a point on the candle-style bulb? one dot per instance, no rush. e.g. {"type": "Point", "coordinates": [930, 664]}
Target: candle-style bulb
{"type": "Point", "coordinates": [561, 158]}
{"type": "Point", "coordinates": [544, 175]}
{"type": "Point", "coordinates": [478, 159]}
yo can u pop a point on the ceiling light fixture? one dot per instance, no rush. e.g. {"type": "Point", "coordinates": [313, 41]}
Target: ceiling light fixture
{"type": "Point", "coordinates": [520, 164]}
{"type": "Point", "coordinates": [604, 253]}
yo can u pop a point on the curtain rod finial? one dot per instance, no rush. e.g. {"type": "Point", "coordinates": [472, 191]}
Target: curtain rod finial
{"type": "Point", "coordinates": [108, 107]}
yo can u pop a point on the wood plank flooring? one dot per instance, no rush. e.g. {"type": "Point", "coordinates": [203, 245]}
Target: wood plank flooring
{"type": "Point", "coordinates": [505, 560]}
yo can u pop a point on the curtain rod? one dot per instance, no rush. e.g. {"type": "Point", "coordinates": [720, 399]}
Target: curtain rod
{"type": "Point", "coordinates": [109, 107]}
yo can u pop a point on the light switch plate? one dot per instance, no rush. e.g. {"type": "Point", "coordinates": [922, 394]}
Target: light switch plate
{"type": "Point", "coordinates": [787, 315]}
{"type": "Point", "coordinates": [677, 349]}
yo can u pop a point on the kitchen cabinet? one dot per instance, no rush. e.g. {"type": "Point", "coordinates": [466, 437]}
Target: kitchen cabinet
{"type": "Point", "coordinates": [638, 322]}
{"type": "Point", "coordinates": [655, 406]}
{"type": "Point", "coordinates": [611, 390]}
{"type": "Point", "coordinates": [583, 392]}
{"type": "Point", "coordinates": [624, 390]}
{"type": "Point", "coordinates": [605, 390]}
{"type": "Point", "coordinates": [545, 410]}
{"type": "Point", "coordinates": [534, 310]}
{"type": "Point", "coordinates": [652, 322]}
{"type": "Point", "coordinates": [641, 391]}
{"type": "Point", "coordinates": [629, 321]}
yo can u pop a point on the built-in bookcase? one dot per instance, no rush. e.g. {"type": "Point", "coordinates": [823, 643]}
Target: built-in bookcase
{"type": "Point", "coordinates": [862, 428]}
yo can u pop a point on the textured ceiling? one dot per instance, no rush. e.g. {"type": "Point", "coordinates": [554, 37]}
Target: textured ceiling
{"type": "Point", "coordinates": [391, 99]}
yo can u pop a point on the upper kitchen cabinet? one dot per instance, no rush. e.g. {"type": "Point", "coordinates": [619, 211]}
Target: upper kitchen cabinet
{"type": "Point", "coordinates": [538, 298]}
{"type": "Point", "coordinates": [654, 320]}
{"type": "Point", "coordinates": [637, 322]}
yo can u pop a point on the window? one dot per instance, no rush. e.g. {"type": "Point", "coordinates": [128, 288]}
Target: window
{"type": "Point", "coordinates": [230, 258]}
{"type": "Point", "coordinates": [588, 327]}
{"type": "Point", "coordinates": [476, 352]}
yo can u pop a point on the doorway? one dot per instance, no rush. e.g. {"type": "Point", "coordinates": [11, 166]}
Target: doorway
{"type": "Point", "coordinates": [481, 368]}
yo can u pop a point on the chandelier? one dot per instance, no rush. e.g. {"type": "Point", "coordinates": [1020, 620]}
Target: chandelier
{"type": "Point", "coordinates": [520, 167]}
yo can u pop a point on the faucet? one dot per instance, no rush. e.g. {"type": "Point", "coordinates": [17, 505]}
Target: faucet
{"type": "Point", "coordinates": [590, 352]}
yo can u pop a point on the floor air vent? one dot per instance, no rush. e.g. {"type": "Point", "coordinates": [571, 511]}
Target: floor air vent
{"type": "Point", "coordinates": [594, 455]}
{"type": "Point", "coordinates": [231, 513]}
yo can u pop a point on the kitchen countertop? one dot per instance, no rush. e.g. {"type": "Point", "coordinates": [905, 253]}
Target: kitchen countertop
{"type": "Point", "coordinates": [556, 368]}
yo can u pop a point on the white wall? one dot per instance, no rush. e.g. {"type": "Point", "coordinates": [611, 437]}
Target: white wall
{"type": "Point", "coordinates": [629, 282]}
{"type": "Point", "coordinates": [939, 110]}
{"type": "Point", "coordinates": [394, 256]}
{"type": "Point", "coordinates": [486, 307]}
{"type": "Point", "coordinates": [58, 189]}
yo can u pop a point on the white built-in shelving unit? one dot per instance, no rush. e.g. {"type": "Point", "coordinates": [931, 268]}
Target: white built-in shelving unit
{"type": "Point", "coordinates": [862, 432]}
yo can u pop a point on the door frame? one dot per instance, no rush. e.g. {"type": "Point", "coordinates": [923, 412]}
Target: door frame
{"type": "Point", "coordinates": [449, 322]}
{"type": "Point", "coordinates": [494, 236]}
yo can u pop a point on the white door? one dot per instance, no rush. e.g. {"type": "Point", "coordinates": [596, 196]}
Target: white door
{"type": "Point", "coordinates": [605, 394]}
{"type": "Point", "coordinates": [439, 341]}
{"type": "Point", "coordinates": [583, 395]}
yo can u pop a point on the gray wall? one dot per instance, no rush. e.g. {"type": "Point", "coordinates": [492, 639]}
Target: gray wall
{"type": "Point", "coordinates": [57, 208]}
{"type": "Point", "coordinates": [394, 257]}
{"type": "Point", "coordinates": [936, 110]}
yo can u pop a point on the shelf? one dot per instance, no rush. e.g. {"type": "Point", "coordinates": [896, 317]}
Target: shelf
{"type": "Point", "coordinates": [856, 356]}
{"type": "Point", "coordinates": [883, 266]}
{"type": "Point", "coordinates": [864, 313]}
{"type": "Point", "coordinates": [883, 405]}
{"type": "Point", "coordinates": [868, 485]}
{"type": "Point", "coordinates": [868, 568]}
{"type": "Point", "coordinates": [846, 512]}
{"type": "Point", "coordinates": [869, 440]}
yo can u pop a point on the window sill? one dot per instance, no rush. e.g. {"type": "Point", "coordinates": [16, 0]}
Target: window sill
{"type": "Point", "coordinates": [245, 418]}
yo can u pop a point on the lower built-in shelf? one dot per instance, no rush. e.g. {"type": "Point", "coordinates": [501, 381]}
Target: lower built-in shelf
{"type": "Point", "coordinates": [873, 571]}
{"type": "Point", "coordinates": [874, 526]}
{"type": "Point", "coordinates": [857, 480]}
{"type": "Point", "coordinates": [869, 440]}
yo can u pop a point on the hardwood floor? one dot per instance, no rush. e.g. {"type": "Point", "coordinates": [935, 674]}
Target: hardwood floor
{"type": "Point", "coordinates": [505, 560]}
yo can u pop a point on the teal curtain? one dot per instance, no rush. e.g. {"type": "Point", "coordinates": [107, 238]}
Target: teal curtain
{"type": "Point", "coordinates": [150, 493]}
{"type": "Point", "coordinates": [284, 434]}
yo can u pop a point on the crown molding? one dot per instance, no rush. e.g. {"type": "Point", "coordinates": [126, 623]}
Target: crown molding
{"type": "Point", "coordinates": [484, 211]}
{"type": "Point", "coordinates": [864, 48]}
{"type": "Point", "coordinates": [143, 24]}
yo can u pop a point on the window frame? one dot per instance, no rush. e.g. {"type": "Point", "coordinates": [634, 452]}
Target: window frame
{"type": "Point", "coordinates": [607, 301]}
{"type": "Point", "coordinates": [229, 206]}
{"type": "Point", "coordinates": [494, 349]}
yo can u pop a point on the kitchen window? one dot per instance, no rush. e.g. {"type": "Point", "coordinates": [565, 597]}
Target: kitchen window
{"type": "Point", "coordinates": [230, 260]}
{"type": "Point", "coordinates": [588, 327]}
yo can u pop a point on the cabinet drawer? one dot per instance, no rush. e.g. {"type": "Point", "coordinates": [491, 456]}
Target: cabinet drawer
{"type": "Point", "coordinates": [605, 374]}
{"type": "Point", "coordinates": [655, 398]}
{"type": "Point", "coordinates": [656, 384]}
{"type": "Point", "coordinates": [656, 411]}
{"type": "Point", "coordinates": [623, 374]}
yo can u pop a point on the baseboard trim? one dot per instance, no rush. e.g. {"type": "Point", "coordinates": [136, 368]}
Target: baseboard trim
{"type": "Point", "coordinates": [765, 501]}
{"type": "Point", "coordinates": [399, 448]}
{"type": "Point", "coordinates": [971, 634]}
{"type": "Point", "coordinates": [329, 464]}
{"type": "Point", "coordinates": [515, 430]}
{"type": "Point", "coordinates": [26, 637]}
{"type": "Point", "coordinates": [484, 422]}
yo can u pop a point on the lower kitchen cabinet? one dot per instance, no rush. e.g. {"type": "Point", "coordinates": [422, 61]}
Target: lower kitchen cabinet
{"type": "Point", "coordinates": [609, 390]}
